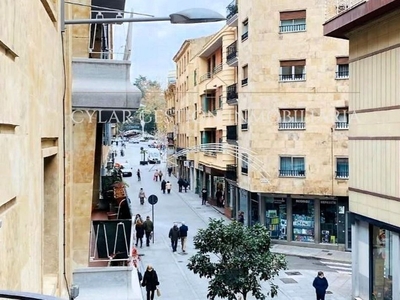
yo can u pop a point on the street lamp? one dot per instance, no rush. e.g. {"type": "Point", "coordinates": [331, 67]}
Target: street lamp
{"type": "Point", "coordinates": [188, 16]}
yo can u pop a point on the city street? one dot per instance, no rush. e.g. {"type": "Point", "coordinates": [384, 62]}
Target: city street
{"type": "Point", "coordinates": [176, 281]}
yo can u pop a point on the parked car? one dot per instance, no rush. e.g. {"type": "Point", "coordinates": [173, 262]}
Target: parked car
{"type": "Point", "coordinates": [153, 156]}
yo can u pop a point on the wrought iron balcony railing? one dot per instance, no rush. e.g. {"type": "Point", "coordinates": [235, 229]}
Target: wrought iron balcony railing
{"type": "Point", "coordinates": [205, 76]}
{"type": "Point", "coordinates": [342, 75]}
{"type": "Point", "coordinates": [231, 10]}
{"type": "Point", "coordinates": [342, 174]}
{"type": "Point", "coordinates": [292, 173]}
{"type": "Point", "coordinates": [217, 68]}
{"type": "Point", "coordinates": [231, 93]}
{"type": "Point", "coordinates": [231, 172]}
{"type": "Point", "coordinates": [292, 125]}
{"type": "Point", "coordinates": [231, 133]}
{"type": "Point", "coordinates": [231, 51]}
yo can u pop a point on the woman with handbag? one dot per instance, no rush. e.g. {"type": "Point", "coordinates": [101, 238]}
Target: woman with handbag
{"type": "Point", "coordinates": [150, 281]}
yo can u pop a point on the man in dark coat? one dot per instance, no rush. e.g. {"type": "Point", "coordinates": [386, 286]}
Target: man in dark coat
{"type": "Point", "coordinates": [163, 185]}
{"type": "Point", "coordinates": [148, 230]}
{"type": "Point", "coordinates": [180, 184]}
{"type": "Point", "coordinates": [183, 231]}
{"type": "Point", "coordinates": [174, 236]}
{"type": "Point", "coordinates": [203, 196]}
{"type": "Point", "coordinates": [320, 284]}
{"type": "Point", "coordinates": [150, 281]}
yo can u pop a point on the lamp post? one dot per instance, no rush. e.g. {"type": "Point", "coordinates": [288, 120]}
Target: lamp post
{"type": "Point", "coordinates": [188, 16]}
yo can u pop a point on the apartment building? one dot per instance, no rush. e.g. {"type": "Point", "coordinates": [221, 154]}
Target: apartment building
{"type": "Point", "coordinates": [170, 98]}
{"type": "Point", "coordinates": [54, 138]}
{"type": "Point", "coordinates": [372, 29]}
{"type": "Point", "coordinates": [291, 97]}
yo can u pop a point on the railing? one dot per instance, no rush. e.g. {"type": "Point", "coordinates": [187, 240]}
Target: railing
{"type": "Point", "coordinates": [342, 125]}
{"type": "Point", "coordinates": [231, 172]}
{"type": "Point", "coordinates": [231, 51]}
{"type": "Point", "coordinates": [292, 173]}
{"type": "Point", "coordinates": [292, 125]}
{"type": "Point", "coordinates": [217, 68]}
{"type": "Point", "coordinates": [231, 10]}
{"type": "Point", "coordinates": [342, 75]}
{"type": "Point", "coordinates": [244, 126]}
{"type": "Point", "coordinates": [245, 35]}
{"type": "Point", "coordinates": [231, 133]}
{"type": "Point", "coordinates": [245, 170]}
{"type": "Point", "coordinates": [231, 93]}
{"type": "Point", "coordinates": [342, 174]}
{"type": "Point", "coordinates": [292, 28]}
{"type": "Point", "coordinates": [205, 76]}
{"type": "Point", "coordinates": [292, 77]}
{"type": "Point", "coordinates": [25, 296]}
{"type": "Point", "coordinates": [244, 81]}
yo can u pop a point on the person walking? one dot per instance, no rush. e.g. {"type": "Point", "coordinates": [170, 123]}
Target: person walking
{"type": "Point", "coordinates": [320, 284]}
{"type": "Point", "coordinates": [163, 186]}
{"type": "Point", "coordinates": [185, 185]}
{"type": "Point", "coordinates": [142, 196]}
{"type": "Point", "coordinates": [150, 281]}
{"type": "Point", "coordinates": [183, 230]}
{"type": "Point", "coordinates": [160, 175]}
{"type": "Point", "coordinates": [169, 171]}
{"type": "Point", "coordinates": [180, 184]}
{"type": "Point", "coordinates": [139, 233]}
{"type": "Point", "coordinates": [240, 218]}
{"type": "Point", "coordinates": [138, 217]}
{"type": "Point", "coordinates": [138, 175]}
{"type": "Point", "coordinates": [218, 196]}
{"type": "Point", "coordinates": [148, 230]}
{"type": "Point", "coordinates": [203, 196]}
{"type": "Point", "coordinates": [168, 186]}
{"type": "Point", "coordinates": [174, 236]}
{"type": "Point", "coordinates": [155, 178]}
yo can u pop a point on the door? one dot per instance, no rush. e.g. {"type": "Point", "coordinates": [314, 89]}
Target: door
{"type": "Point", "coordinates": [348, 231]}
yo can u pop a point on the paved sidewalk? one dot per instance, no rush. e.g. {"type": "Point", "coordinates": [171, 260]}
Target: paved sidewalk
{"type": "Point", "coordinates": [177, 282]}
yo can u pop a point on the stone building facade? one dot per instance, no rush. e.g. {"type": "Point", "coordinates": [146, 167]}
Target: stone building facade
{"type": "Point", "coordinates": [372, 29]}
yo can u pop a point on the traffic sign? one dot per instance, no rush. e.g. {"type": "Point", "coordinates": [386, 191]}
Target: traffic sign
{"type": "Point", "coordinates": [153, 199]}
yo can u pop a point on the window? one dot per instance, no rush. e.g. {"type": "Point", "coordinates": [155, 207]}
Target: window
{"type": "Point", "coordinates": [245, 72]}
{"type": "Point", "coordinates": [245, 30]}
{"type": "Point", "coordinates": [195, 112]}
{"type": "Point", "coordinates": [291, 166]}
{"type": "Point", "coordinates": [342, 118]}
{"type": "Point", "coordinates": [245, 119]}
{"type": "Point", "coordinates": [195, 77]}
{"type": "Point", "coordinates": [245, 163]}
{"type": "Point", "coordinates": [292, 119]}
{"type": "Point", "coordinates": [293, 70]}
{"type": "Point", "coordinates": [342, 168]}
{"type": "Point", "coordinates": [208, 104]}
{"type": "Point", "coordinates": [187, 83]}
{"type": "Point", "coordinates": [292, 21]}
{"type": "Point", "coordinates": [342, 67]}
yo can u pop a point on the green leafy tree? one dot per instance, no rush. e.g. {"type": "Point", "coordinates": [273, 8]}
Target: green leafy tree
{"type": "Point", "coordinates": [243, 261]}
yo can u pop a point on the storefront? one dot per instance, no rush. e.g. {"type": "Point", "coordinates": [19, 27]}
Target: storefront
{"type": "Point", "coordinates": [231, 207]}
{"type": "Point", "coordinates": [306, 220]}
{"type": "Point", "coordinates": [379, 277]}
{"type": "Point", "coordinates": [243, 204]}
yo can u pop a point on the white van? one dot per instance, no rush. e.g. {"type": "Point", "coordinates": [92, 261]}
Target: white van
{"type": "Point", "coordinates": [153, 156]}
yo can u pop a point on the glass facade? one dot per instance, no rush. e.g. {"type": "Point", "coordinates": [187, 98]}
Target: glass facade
{"type": "Point", "coordinates": [382, 263]}
{"type": "Point", "coordinates": [303, 220]}
{"type": "Point", "coordinates": [275, 217]}
{"type": "Point", "coordinates": [329, 221]}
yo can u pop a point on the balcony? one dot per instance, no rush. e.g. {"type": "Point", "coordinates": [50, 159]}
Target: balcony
{"type": "Point", "coordinates": [206, 76]}
{"type": "Point", "coordinates": [231, 172]}
{"type": "Point", "coordinates": [245, 126]}
{"type": "Point", "coordinates": [342, 174]}
{"type": "Point", "coordinates": [231, 133]}
{"type": "Point", "coordinates": [104, 85]}
{"type": "Point", "coordinates": [292, 125]}
{"type": "Point", "coordinates": [341, 125]}
{"type": "Point", "coordinates": [232, 14]}
{"type": "Point", "coordinates": [292, 77]}
{"type": "Point", "coordinates": [217, 69]}
{"type": "Point", "coordinates": [292, 173]}
{"type": "Point", "coordinates": [232, 94]}
{"type": "Point", "coordinates": [231, 56]}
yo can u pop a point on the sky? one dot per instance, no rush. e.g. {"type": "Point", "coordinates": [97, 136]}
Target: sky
{"type": "Point", "coordinates": [155, 44]}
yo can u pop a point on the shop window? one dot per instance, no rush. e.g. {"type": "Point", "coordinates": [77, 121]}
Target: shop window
{"type": "Point", "coordinates": [275, 217]}
{"type": "Point", "coordinates": [382, 263]}
{"type": "Point", "coordinates": [303, 220]}
{"type": "Point", "coordinates": [329, 221]}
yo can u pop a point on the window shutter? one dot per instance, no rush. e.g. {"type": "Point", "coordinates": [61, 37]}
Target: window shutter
{"type": "Point", "coordinates": [292, 15]}
{"type": "Point", "coordinates": [343, 60]}
{"type": "Point", "coordinates": [290, 63]}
